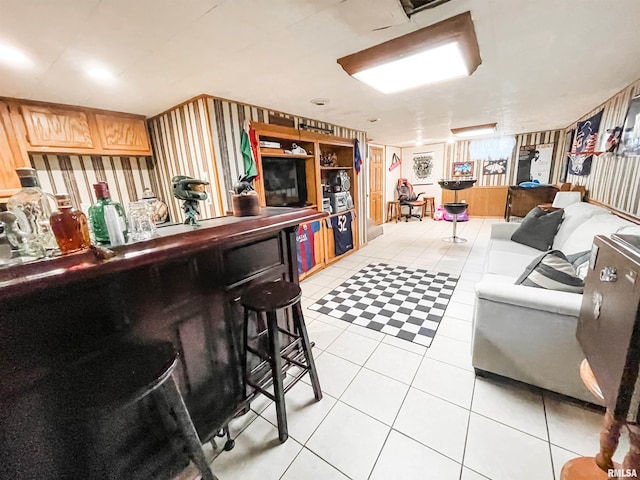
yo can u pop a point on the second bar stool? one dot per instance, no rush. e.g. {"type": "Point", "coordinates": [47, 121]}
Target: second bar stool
{"type": "Point", "coordinates": [266, 300]}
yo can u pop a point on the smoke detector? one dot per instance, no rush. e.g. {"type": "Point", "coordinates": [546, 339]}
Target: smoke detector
{"type": "Point", "coordinates": [320, 101]}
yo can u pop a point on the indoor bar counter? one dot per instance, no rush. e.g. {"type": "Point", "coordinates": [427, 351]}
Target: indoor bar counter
{"type": "Point", "coordinates": [181, 287]}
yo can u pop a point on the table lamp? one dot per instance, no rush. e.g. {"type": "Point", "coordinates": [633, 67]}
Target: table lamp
{"type": "Point", "coordinates": [564, 199]}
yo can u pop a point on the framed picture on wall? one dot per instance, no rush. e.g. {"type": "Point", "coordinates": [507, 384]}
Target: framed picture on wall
{"type": "Point", "coordinates": [494, 167]}
{"type": "Point", "coordinates": [421, 168]}
{"type": "Point", "coordinates": [630, 144]}
{"type": "Point", "coordinates": [462, 169]}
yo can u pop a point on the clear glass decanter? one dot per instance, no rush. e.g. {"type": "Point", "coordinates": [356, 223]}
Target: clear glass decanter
{"type": "Point", "coordinates": [32, 208]}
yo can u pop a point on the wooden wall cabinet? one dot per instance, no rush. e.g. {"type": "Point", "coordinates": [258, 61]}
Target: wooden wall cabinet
{"type": "Point", "coordinates": [315, 144]}
{"type": "Point", "coordinates": [11, 155]}
{"type": "Point", "coordinates": [57, 127]}
{"type": "Point", "coordinates": [37, 127]}
{"type": "Point", "coordinates": [123, 133]}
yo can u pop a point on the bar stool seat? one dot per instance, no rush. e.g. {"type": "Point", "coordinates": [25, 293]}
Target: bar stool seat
{"type": "Point", "coordinates": [266, 300]}
{"type": "Point", "coordinates": [429, 206]}
{"type": "Point", "coordinates": [393, 210]}
{"type": "Point", "coordinates": [125, 373]}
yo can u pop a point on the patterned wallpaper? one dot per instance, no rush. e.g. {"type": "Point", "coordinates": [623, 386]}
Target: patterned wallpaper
{"type": "Point", "coordinates": [75, 174]}
{"type": "Point", "coordinates": [614, 180]}
{"type": "Point", "coordinates": [202, 137]}
{"type": "Point", "coordinates": [459, 152]}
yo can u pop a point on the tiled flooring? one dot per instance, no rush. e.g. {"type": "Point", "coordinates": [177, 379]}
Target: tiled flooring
{"type": "Point", "coordinates": [396, 410]}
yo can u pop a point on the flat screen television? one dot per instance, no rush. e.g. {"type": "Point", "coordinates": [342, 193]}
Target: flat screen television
{"type": "Point", "coordinates": [285, 182]}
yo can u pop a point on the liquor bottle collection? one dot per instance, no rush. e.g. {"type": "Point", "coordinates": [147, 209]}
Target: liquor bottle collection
{"type": "Point", "coordinates": [38, 224]}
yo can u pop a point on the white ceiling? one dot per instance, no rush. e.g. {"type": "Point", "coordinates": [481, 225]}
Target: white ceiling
{"type": "Point", "coordinates": [544, 62]}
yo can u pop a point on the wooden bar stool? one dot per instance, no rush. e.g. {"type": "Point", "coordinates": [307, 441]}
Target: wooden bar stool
{"type": "Point", "coordinates": [124, 374]}
{"type": "Point", "coordinates": [393, 211]}
{"type": "Point", "coordinates": [429, 205]}
{"type": "Point", "coordinates": [266, 300]}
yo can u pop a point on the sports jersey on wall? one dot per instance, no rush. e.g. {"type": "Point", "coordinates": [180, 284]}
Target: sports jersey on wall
{"type": "Point", "coordinates": [305, 242]}
{"type": "Point", "coordinates": [342, 234]}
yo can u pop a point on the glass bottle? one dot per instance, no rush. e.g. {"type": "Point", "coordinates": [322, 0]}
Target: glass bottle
{"type": "Point", "coordinates": [107, 218]}
{"type": "Point", "coordinates": [32, 209]}
{"type": "Point", "coordinates": [70, 226]}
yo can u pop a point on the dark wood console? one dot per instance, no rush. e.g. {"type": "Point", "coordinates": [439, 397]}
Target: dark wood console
{"type": "Point", "coordinates": [183, 287]}
{"type": "Point", "coordinates": [521, 200]}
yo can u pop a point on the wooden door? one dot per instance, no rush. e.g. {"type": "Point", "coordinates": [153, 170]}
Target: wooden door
{"type": "Point", "coordinates": [376, 180]}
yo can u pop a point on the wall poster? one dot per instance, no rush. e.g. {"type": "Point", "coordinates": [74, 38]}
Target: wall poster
{"type": "Point", "coordinates": [631, 131]}
{"type": "Point", "coordinates": [584, 145]}
{"type": "Point", "coordinates": [534, 163]}
{"type": "Point", "coordinates": [422, 168]}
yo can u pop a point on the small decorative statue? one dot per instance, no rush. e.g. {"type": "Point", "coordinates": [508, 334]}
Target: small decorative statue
{"type": "Point", "coordinates": [191, 190]}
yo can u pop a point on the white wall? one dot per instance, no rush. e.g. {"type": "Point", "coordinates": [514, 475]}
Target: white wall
{"type": "Point", "coordinates": [432, 189]}
{"type": "Point", "coordinates": [391, 177]}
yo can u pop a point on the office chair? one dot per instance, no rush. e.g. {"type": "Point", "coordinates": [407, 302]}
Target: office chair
{"type": "Point", "coordinates": [407, 197]}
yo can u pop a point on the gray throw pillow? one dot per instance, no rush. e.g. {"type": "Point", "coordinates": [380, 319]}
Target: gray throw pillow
{"type": "Point", "coordinates": [552, 271]}
{"type": "Point", "coordinates": [538, 229]}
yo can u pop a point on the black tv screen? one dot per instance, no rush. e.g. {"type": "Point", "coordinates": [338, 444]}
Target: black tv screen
{"type": "Point", "coordinates": [285, 183]}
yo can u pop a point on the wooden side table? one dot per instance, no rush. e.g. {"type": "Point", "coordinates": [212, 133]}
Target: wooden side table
{"type": "Point", "coordinates": [596, 468]}
{"type": "Point", "coordinates": [393, 210]}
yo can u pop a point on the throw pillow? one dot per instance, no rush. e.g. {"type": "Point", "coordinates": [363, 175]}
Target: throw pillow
{"type": "Point", "coordinates": [538, 229]}
{"type": "Point", "coordinates": [552, 271]}
{"type": "Point", "coordinates": [580, 262]}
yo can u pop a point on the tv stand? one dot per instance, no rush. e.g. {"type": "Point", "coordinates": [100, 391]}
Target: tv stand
{"type": "Point", "coordinates": [327, 156]}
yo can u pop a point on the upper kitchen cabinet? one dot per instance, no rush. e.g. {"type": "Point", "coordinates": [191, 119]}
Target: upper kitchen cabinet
{"type": "Point", "coordinates": [11, 155]}
{"type": "Point", "coordinates": [119, 132]}
{"type": "Point", "coordinates": [52, 128]}
{"type": "Point", "coordinates": [57, 127]}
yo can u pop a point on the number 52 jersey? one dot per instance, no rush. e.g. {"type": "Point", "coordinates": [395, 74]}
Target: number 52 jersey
{"type": "Point", "coordinates": [342, 232]}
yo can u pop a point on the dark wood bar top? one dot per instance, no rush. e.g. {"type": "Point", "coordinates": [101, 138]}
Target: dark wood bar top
{"type": "Point", "coordinates": [182, 288]}
{"type": "Point", "coordinates": [172, 241]}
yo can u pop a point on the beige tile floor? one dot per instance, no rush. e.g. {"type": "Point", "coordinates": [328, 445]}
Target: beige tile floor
{"type": "Point", "coordinates": [396, 410]}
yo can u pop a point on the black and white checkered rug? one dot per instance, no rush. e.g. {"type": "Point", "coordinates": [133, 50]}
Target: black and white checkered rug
{"type": "Point", "coordinates": [407, 303]}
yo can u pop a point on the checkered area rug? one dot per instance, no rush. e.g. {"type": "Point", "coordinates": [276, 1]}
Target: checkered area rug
{"type": "Point", "coordinates": [407, 303]}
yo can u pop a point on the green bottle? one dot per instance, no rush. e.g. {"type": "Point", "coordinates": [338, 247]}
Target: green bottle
{"type": "Point", "coordinates": [107, 218]}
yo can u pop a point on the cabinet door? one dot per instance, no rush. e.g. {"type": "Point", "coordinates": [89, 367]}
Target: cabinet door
{"type": "Point", "coordinates": [57, 127]}
{"type": "Point", "coordinates": [123, 133]}
{"type": "Point", "coordinates": [11, 156]}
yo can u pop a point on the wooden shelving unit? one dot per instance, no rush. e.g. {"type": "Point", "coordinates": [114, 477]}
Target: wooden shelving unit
{"type": "Point", "coordinates": [317, 145]}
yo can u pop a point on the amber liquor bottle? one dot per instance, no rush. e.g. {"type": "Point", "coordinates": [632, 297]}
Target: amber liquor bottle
{"type": "Point", "coordinates": [69, 226]}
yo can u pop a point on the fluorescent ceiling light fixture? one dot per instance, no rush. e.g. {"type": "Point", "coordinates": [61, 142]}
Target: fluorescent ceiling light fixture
{"type": "Point", "coordinates": [442, 51]}
{"type": "Point", "coordinates": [430, 66]}
{"type": "Point", "coordinates": [13, 57]}
{"type": "Point", "coordinates": [474, 131]}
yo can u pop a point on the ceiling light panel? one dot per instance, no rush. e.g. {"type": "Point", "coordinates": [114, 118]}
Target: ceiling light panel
{"type": "Point", "coordinates": [445, 50]}
{"type": "Point", "coordinates": [474, 131]}
{"type": "Point", "coordinates": [430, 66]}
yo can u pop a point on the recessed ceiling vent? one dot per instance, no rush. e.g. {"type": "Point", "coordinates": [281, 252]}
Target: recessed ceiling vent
{"type": "Point", "coordinates": [415, 6]}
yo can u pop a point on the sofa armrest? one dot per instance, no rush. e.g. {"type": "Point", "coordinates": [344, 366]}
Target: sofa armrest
{"type": "Point", "coordinates": [552, 301]}
{"type": "Point", "coordinates": [503, 230]}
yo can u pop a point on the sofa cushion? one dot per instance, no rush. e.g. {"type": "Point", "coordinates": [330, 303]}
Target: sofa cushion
{"type": "Point", "coordinates": [552, 271]}
{"type": "Point", "coordinates": [538, 229]}
{"type": "Point", "coordinates": [508, 258]}
{"type": "Point", "coordinates": [574, 216]}
{"type": "Point", "coordinates": [581, 238]}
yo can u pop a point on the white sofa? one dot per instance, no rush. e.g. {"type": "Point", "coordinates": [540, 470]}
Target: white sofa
{"type": "Point", "coordinates": [526, 333]}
